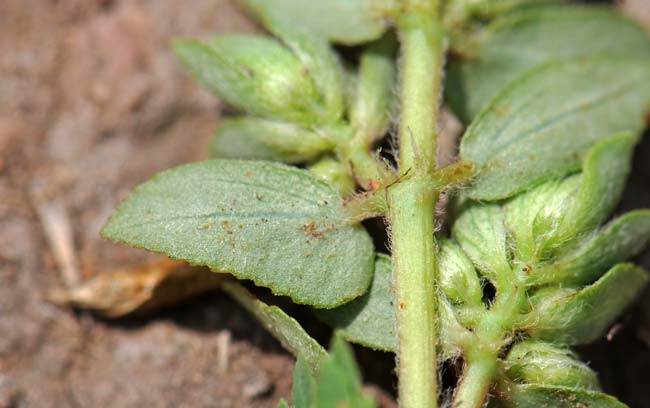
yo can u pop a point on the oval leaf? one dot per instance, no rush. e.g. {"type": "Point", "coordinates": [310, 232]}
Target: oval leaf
{"type": "Point", "coordinates": [542, 124]}
{"type": "Point", "coordinates": [569, 317]}
{"type": "Point", "coordinates": [538, 396]}
{"type": "Point", "coordinates": [517, 42]}
{"type": "Point", "coordinates": [620, 240]}
{"type": "Point", "coordinates": [255, 74]}
{"type": "Point", "coordinates": [276, 225]}
{"type": "Point", "coordinates": [261, 139]}
{"type": "Point", "coordinates": [343, 21]}
{"type": "Point", "coordinates": [370, 319]}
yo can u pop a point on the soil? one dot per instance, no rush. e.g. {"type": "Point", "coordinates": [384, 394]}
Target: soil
{"type": "Point", "coordinates": [92, 102]}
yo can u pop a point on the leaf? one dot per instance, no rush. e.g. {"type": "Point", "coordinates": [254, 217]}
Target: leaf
{"type": "Point", "coordinates": [334, 173]}
{"type": "Point", "coordinates": [605, 170]}
{"type": "Point", "coordinates": [564, 211]}
{"type": "Point", "coordinates": [480, 231]}
{"type": "Point", "coordinates": [262, 139]}
{"type": "Point", "coordinates": [282, 326]}
{"type": "Point", "coordinates": [565, 316]}
{"type": "Point", "coordinates": [539, 396]}
{"type": "Point", "coordinates": [371, 108]}
{"type": "Point", "coordinates": [543, 123]}
{"type": "Point", "coordinates": [458, 278]}
{"type": "Point", "coordinates": [620, 240]}
{"type": "Point", "coordinates": [514, 43]}
{"type": "Point", "coordinates": [283, 404]}
{"type": "Point", "coordinates": [348, 22]}
{"type": "Point", "coordinates": [369, 319]}
{"type": "Point", "coordinates": [273, 224]}
{"type": "Point", "coordinates": [317, 58]}
{"type": "Point", "coordinates": [530, 215]}
{"type": "Point", "coordinates": [303, 384]}
{"type": "Point", "coordinates": [254, 74]}
{"type": "Point", "coordinates": [535, 362]}
{"type": "Point", "coordinates": [339, 382]}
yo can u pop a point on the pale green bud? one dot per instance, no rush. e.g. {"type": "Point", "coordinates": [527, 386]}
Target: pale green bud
{"type": "Point", "coordinates": [458, 278]}
{"type": "Point", "coordinates": [550, 219]}
{"type": "Point", "coordinates": [255, 74]}
{"type": "Point", "coordinates": [262, 139]}
{"type": "Point", "coordinates": [335, 174]}
{"type": "Point", "coordinates": [571, 316]}
{"type": "Point", "coordinates": [535, 362]}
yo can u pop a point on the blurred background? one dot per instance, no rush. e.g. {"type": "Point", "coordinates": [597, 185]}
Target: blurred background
{"type": "Point", "coordinates": [92, 102]}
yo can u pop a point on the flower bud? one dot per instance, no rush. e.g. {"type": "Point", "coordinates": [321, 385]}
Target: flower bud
{"type": "Point", "coordinates": [535, 362]}
{"type": "Point", "coordinates": [458, 278]}
{"type": "Point", "coordinates": [570, 316]}
{"type": "Point", "coordinates": [261, 139]}
{"type": "Point", "coordinates": [255, 74]}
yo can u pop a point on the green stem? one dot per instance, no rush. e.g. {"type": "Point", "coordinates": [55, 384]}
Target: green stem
{"type": "Point", "coordinates": [478, 374]}
{"type": "Point", "coordinates": [412, 204]}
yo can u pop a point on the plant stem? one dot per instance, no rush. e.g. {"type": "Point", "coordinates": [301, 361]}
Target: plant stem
{"type": "Point", "coordinates": [412, 204]}
{"type": "Point", "coordinates": [478, 374]}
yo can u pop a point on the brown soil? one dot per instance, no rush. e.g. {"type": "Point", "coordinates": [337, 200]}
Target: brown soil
{"type": "Point", "coordinates": [92, 102]}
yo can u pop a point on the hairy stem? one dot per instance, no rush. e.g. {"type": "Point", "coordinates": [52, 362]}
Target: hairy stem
{"type": "Point", "coordinates": [412, 203]}
{"type": "Point", "coordinates": [478, 374]}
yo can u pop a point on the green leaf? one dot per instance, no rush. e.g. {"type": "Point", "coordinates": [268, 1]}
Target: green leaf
{"type": "Point", "coordinates": [371, 109]}
{"type": "Point", "coordinates": [255, 74]}
{"type": "Point", "coordinates": [273, 224]}
{"type": "Point", "coordinates": [605, 170]}
{"type": "Point", "coordinates": [303, 384]}
{"type": "Point", "coordinates": [334, 173]}
{"type": "Point", "coordinates": [539, 396]}
{"type": "Point", "coordinates": [531, 215]}
{"type": "Point", "coordinates": [262, 139]}
{"type": "Point", "coordinates": [458, 278]}
{"type": "Point", "coordinates": [344, 21]}
{"type": "Point", "coordinates": [620, 240]}
{"type": "Point", "coordinates": [370, 319]}
{"type": "Point", "coordinates": [535, 362]}
{"type": "Point", "coordinates": [517, 42]}
{"type": "Point", "coordinates": [566, 316]}
{"type": "Point", "coordinates": [480, 231]}
{"type": "Point", "coordinates": [564, 211]}
{"type": "Point", "coordinates": [283, 404]}
{"type": "Point", "coordinates": [543, 123]}
{"type": "Point", "coordinates": [317, 58]}
{"type": "Point", "coordinates": [282, 326]}
{"type": "Point", "coordinates": [339, 382]}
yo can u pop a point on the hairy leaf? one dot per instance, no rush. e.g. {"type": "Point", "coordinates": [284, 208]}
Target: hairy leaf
{"type": "Point", "coordinates": [370, 319]}
{"type": "Point", "coordinates": [343, 21]}
{"type": "Point", "coordinates": [262, 139]}
{"type": "Point", "coordinates": [480, 231]}
{"type": "Point", "coordinates": [618, 241]}
{"type": "Point", "coordinates": [317, 58]}
{"type": "Point", "coordinates": [542, 124]}
{"type": "Point", "coordinates": [275, 225]}
{"type": "Point", "coordinates": [458, 278]}
{"type": "Point", "coordinates": [567, 210]}
{"type": "Point", "coordinates": [371, 108]}
{"type": "Point", "coordinates": [514, 43]}
{"type": "Point", "coordinates": [255, 74]}
{"type": "Point", "coordinates": [567, 316]}
{"type": "Point", "coordinates": [537, 396]}
{"type": "Point", "coordinates": [535, 362]}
